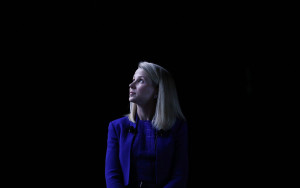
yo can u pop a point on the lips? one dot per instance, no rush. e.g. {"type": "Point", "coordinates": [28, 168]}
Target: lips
{"type": "Point", "coordinates": [131, 93]}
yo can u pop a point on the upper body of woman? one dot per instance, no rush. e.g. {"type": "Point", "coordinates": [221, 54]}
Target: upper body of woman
{"type": "Point", "coordinates": [149, 146]}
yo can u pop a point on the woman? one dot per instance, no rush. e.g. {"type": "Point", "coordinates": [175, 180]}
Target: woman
{"type": "Point", "coordinates": [149, 146]}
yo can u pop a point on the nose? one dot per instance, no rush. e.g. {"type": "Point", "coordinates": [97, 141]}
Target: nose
{"type": "Point", "coordinates": [131, 85]}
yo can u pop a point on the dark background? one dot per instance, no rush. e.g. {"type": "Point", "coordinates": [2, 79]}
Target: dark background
{"type": "Point", "coordinates": [86, 57]}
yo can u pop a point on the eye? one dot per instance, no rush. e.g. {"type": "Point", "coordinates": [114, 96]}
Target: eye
{"type": "Point", "coordinates": [140, 80]}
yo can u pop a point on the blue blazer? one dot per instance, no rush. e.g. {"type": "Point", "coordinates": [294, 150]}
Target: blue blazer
{"type": "Point", "coordinates": [171, 155]}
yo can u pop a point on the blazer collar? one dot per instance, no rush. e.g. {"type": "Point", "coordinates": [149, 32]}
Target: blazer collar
{"type": "Point", "coordinates": [136, 120]}
{"type": "Point", "coordinates": [132, 124]}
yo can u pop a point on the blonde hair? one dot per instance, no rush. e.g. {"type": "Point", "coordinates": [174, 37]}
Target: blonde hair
{"type": "Point", "coordinates": [167, 105]}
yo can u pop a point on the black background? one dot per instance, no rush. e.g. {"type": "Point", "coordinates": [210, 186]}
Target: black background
{"type": "Point", "coordinates": [84, 59]}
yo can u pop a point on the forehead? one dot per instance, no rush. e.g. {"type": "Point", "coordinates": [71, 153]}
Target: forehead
{"type": "Point", "coordinates": [140, 72]}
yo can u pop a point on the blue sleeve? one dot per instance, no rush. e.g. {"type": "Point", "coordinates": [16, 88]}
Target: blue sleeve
{"type": "Point", "coordinates": [113, 171]}
{"type": "Point", "coordinates": [179, 176]}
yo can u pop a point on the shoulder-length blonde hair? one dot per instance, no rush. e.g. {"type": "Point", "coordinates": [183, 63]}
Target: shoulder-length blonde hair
{"type": "Point", "coordinates": [167, 106]}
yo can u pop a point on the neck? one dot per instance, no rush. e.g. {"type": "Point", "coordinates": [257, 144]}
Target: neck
{"type": "Point", "coordinates": [146, 112]}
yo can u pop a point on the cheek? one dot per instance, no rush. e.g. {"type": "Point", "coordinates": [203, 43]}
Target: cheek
{"type": "Point", "coordinates": [146, 91]}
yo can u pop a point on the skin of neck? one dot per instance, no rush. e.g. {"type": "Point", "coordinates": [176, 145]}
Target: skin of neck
{"type": "Point", "coordinates": [146, 112]}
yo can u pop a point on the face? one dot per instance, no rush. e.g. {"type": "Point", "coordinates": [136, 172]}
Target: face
{"type": "Point", "coordinates": [141, 90]}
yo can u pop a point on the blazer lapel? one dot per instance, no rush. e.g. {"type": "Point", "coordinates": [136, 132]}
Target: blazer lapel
{"type": "Point", "coordinates": [127, 151]}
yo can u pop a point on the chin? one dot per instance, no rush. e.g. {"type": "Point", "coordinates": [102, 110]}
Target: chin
{"type": "Point", "coordinates": [133, 100]}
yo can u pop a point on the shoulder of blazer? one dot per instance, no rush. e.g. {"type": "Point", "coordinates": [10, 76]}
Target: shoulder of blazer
{"type": "Point", "coordinates": [179, 124]}
{"type": "Point", "coordinates": [122, 120]}
{"type": "Point", "coordinates": [121, 124]}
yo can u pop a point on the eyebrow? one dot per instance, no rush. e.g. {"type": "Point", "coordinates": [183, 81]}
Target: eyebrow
{"type": "Point", "coordinates": [139, 77]}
